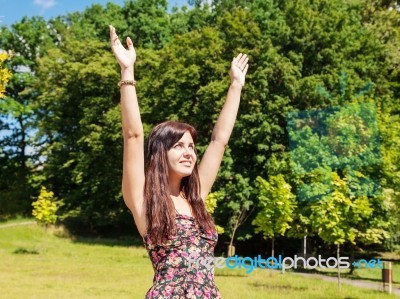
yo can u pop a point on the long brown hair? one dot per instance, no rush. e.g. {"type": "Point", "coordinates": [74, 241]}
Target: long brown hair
{"type": "Point", "coordinates": [160, 210]}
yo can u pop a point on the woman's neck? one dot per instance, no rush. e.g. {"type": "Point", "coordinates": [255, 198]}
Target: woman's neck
{"type": "Point", "coordinates": [175, 186]}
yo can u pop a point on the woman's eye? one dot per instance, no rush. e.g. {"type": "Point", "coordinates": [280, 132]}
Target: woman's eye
{"type": "Point", "coordinates": [178, 146]}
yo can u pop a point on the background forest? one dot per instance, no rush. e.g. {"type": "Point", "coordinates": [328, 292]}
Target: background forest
{"type": "Point", "coordinates": [316, 147]}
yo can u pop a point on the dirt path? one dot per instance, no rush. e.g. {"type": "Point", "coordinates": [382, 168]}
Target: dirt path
{"type": "Point", "coordinates": [17, 224]}
{"type": "Point", "coordinates": [354, 282]}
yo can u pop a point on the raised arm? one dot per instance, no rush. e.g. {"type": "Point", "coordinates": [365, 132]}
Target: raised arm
{"type": "Point", "coordinates": [133, 160]}
{"type": "Point", "coordinates": [213, 155]}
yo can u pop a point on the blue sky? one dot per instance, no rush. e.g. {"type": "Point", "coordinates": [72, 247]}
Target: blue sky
{"type": "Point", "coordinates": [12, 11]}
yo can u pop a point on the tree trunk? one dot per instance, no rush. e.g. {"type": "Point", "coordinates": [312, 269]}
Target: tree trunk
{"type": "Point", "coordinates": [338, 268]}
{"type": "Point", "coordinates": [231, 248]}
{"type": "Point", "coordinates": [352, 268]}
{"type": "Point", "coordinates": [273, 247]}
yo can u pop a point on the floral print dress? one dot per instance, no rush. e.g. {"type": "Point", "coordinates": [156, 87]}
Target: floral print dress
{"type": "Point", "coordinates": [183, 266]}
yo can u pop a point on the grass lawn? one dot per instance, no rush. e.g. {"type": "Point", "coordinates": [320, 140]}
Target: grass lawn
{"type": "Point", "coordinates": [35, 263]}
{"type": "Point", "coordinates": [369, 274]}
{"type": "Point", "coordinates": [373, 275]}
{"type": "Point", "coordinates": [377, 274]}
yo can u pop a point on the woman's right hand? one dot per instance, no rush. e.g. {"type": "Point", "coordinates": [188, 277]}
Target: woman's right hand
{"type": "Point", "coordinates": [126, 58]}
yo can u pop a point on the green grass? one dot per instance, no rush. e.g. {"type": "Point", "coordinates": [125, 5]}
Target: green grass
{"type": "Point", "coordinates": [369, 274]}
{"type": "Point", "coordinates": [15, 219]}
{"type": "Point", "coordinates": [373, 275]}
{"type": "Point", "coordinates": [35, 263]}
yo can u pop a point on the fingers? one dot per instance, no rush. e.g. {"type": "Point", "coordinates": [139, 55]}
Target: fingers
{"type": "Point", "coordinates": [114, 39]}
{"type": "Point", "coordinates": [112, 32]}
{"type": "Point", "coordinates": [129, 43]}
{"type": "Point", "coordinates": [245, 69]}
{"type": "Point", "coordinates": [241, 62]}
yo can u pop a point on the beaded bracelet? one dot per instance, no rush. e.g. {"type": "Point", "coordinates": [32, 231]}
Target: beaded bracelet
{"type": "Point", "coordinates": [127, 82]}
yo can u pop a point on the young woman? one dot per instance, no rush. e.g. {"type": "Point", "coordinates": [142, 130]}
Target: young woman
{"type": "Point", "coordinates": [166, 195]}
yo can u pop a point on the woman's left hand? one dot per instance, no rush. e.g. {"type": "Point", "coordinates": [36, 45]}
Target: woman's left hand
{"type": "Point", "coordinates": [238, 69]}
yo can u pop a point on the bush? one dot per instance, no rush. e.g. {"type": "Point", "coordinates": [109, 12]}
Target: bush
{"type": "Point", "coordinates": [45, 207]}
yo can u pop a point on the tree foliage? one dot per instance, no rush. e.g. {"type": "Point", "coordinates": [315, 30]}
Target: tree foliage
{"type": "Point", "coordinates": [277, 204]}
{"type": "Point", "coordinates": [4, 73]}
{"type": "Point", "coordinates": [45, 207]}
{"type": "Point", "coordinates": [322, 88]}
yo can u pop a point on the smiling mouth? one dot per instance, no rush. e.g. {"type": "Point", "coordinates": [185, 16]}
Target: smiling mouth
{"type": "Point", "coordinates": [186, 163]}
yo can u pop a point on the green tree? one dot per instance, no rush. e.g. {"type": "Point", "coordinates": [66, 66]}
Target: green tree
{"type": "Point", "coordinates": [28, 40]}
{"type": "Point", "coordinates": [148, 22]}
{"type": "Point", "coordinates": [45, 207]}
{"type": "Point", "coordinates": [4, 74]}
{"type": "Point", "coordinates": [79, 118]}
{"type": "Point", "coordinates": [277, 204]}
{"type": "Point", "coordinates": [340, 217]}
{"type": "Point", "coordinates": [211, 204]}
{"type": "Point", "coordinates": [382, 18]}
{"type": "Point", "coordinates": [183, 58]}
{"type": "Point", "coordinates": [389, 127]}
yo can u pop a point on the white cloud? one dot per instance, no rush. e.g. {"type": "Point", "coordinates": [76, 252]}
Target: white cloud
{"type": "Point", "coordinates": [45, 4]}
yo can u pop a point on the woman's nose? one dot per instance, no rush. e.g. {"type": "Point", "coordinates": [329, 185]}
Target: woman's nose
{"type": "Point", "coordinates": [187, 151]}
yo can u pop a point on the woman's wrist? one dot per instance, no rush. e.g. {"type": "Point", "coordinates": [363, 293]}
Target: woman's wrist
{"type": "Point", "coordinates": [127, 73]}
{"type": "Point", "coordinates": [236, 84]}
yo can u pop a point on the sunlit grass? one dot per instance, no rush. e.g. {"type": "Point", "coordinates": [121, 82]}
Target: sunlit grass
{"type": "Point", "coordinates": [373, 275]}
{"type": "Point", "coordinates": [35, 263]}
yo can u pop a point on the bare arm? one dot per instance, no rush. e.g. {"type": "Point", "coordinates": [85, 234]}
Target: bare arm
{"type": "Point", "coordinates": [133, 160]}
{"type": "Point", "coordinates": [213, 155]}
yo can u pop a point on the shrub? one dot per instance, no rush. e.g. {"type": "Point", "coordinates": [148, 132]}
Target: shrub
{"type": "Point", "coordinates": [45, 207]}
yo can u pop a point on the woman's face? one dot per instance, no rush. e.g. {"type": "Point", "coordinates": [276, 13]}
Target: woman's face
{"type": "Point", "coordinates": [182, 157]}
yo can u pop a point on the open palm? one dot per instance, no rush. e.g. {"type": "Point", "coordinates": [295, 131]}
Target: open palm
{"type": "Point", "coordinates": [239, 68]}
{"type": "Point", "coordinates": [125, 57]}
